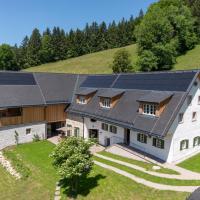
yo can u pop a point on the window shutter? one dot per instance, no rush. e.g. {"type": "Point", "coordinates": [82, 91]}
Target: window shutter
{"type": "Point", "coordinates": [154, 142]}
{"type": "Point", "coordinates": [181, 145]}
{"type": "Point", "coordinates": [145, 139]}
{"type": "Point", "coordinates": [162, 144]}
{"type": "Point", "coordinates": [138, 137]}
{"type": "Point", "coordinates": [187, 144]}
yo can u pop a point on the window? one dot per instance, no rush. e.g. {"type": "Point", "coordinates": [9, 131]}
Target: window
{"type": "Point", "coordinates": [82, 100]}
{"type": "Point", "coordinates": [189, 100]}
{"type": "Point", "coordinates": [104, 126]}
{"type": "Point", "coordinates": [158, 143]}
{"type": "Point", "coordinates": [11, 112]}
{"type": "Point", "coordinates": [194, 116]}
{"type": "Point", "coordinates": [196, 141]}
{"type": "Point", "coordinates": [106, 102]}
{"type": "Point", "coordinates": [69, 130]}
{"type": "Point", "coordinates": [142, 138]}
{"type": "Point", "coordinates": [199, 100]}
{"type": "Point", "coordinates": [149, 109]}
{"type": "Point", "coordinates": [28, 131]}
{"type": "Point", "coordinates": [113, 129]}
{"type": "Point", "coordinates": [76, 131]}
{"type": "Point", "coordinates": [184, 144]}
{"type": "Point", "coordinates": [180, 118]}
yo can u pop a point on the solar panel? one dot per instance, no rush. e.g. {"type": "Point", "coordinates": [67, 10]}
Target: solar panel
{"type": "Point", "coordinates": [157, 81]}
{"type": "Point", "coordinates": [101, 81]}
{"type": "Point", "coordinates": [8, 78]}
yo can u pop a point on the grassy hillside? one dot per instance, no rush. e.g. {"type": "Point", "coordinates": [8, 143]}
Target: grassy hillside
{"type": "Point", "coordinates": [94, 63]}
{"type": "Point", "coordinates": [99, 62]}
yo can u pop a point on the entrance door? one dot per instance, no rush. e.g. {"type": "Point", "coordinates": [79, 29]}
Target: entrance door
{"type": "Point", "coordinates": [52, 128]}
{"type": "Point", "coordinates": [127, 136]}
{"type": "Point", "coordinates": [93, 133]}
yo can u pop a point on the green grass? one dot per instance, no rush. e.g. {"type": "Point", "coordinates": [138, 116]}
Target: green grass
{"type": "Point", "coordinates": [147, 166]}
{"type": "Point", "coordinates": [41, 179]}
{"type": "Point", "coordinates": [192, 163]}
{"type": "Point", "coordinates": [149, 177]}
{"type": "Point", "coordinates": [94, 63]}
{"type": "Point", "coordinates": [99, 63]}
{"type": "Point", "coordinates": [191, 60]}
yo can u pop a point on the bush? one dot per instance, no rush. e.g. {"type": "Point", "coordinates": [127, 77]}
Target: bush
{"type": "Point", "coordinates": [36, 138]}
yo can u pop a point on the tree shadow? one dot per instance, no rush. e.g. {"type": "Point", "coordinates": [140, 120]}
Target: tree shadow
{"type": "Point", "coordinates": [86, 184]}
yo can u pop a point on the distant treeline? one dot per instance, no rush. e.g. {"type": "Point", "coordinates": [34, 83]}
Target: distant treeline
{"type": "Point", "coordinates": [56, 44]}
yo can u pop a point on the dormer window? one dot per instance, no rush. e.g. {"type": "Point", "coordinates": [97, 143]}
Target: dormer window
{"type": "Point", "coordinates": [106, 102]}
{"type": "Point", "coordinates": [84, 95]}
{"type": "Point", "coordinates": [149, 109]}
{"type": "Point", "coordinates": [82, 100]}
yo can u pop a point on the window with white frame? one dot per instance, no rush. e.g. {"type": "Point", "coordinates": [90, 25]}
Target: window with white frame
{"type": "Point", "coordinates": [104, 126]}
{"type": "Point", "coordinates": [106, 102]}
{"type": "Point", "coordinates": [82, 100]}
{"type": "Point", "coordinates": [149, 109]}
{"type": "Point", "coordinates": [184, 144]}
{"type": "Point", "coordinates": [76, 131]}
{"type": "Point", "coordinates": [69, 130]}
{"type": "Point", "coordinates": [159, 143]}
{"type": "Point", "coordinates": [194, 116]}
{"type": "Point", "coordinates": [113, 129]}
{"type": "Point", "coordinates": [196, 141]}
{"type": "Point", "coordinates": [189, 100]}
{"type": "Point", "coordinates": [141, 138]}
{"type": "Point", "coordinates": [180, 118]}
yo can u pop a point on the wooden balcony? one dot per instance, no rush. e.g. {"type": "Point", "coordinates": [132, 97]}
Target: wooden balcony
{"type": "Point", "coordinates": [6, 121]}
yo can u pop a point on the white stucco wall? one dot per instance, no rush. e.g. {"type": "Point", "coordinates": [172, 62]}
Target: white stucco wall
{"type": "Point", "coordinates": [7, 135]}
{"type": "Point", "coordinates": [119, 137]}
{"type": "Point", "coordinates": [187, 130]}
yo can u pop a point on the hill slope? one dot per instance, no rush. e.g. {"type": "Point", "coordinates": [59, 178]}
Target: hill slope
{"type": "Point", "coordinates": [94, 63]}
{"type": "Point", "coordinates": [98, 63]}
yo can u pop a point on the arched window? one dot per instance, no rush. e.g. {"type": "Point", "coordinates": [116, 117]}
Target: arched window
{"type": "Point", "coordinates": [196, 141]}
{"type": "Point", "coordinates": [184, 144]}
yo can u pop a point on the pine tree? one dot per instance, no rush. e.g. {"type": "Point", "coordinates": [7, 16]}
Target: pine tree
{"type": "Point", "coordinates": [33, 49]}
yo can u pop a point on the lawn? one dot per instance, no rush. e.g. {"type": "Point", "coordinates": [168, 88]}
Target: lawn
{"type": "Point", "coordinates": [40, 184]}
{"type": "Point", "coordinates": [99, 63]}
{"type": "Point", "coordinates": [94, 63]}
{"type": "Point", "coordinates": [192, 163]}
{"type": "Point", "coordinates": [147, 166]}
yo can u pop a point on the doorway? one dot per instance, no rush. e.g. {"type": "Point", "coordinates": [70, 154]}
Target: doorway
{"type": "Point", "coordinates": [93, 133]}
{"type": "Point", "coordinates": [127, 136]}
{"type": "Point", "coordinates": [52, 128]}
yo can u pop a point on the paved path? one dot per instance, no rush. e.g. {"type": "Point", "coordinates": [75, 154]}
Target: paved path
{"type": "Point", "coordinates": [148, 183]}
{"type": "Point", "coordinates": [184, 174]}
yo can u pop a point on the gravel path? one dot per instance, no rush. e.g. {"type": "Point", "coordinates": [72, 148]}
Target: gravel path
{"type": "Point", "coordinates": [148, 183]}
{"type": "Point", "coordinates": [184, 175]}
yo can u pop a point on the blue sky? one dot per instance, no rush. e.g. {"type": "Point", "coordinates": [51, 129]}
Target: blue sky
{"type": "Point", "coordinates": [19, 17]}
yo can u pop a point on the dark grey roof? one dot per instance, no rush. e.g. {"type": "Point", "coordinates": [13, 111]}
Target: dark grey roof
{"type": "Point", "coordinates": [56, 87]}
{"type": "Point", "coordinates": [16, 78]}
{"type": "Point", "coordinates": [110, 93]}
{"type": "Point", "coordinates": [155, 97]}
{"type": "Point", "coordinates": [86, 91]}
{"type": "Point", "coordinates": [195, 195]}
{"type": "Point", "coordinates": [160, 81]}
{"type": "Point", "coordinates": [99, 81]}
{"type": "Point", "coordinates": [142, 86]}
{"type": "Point", "coordinates": [18, 95]}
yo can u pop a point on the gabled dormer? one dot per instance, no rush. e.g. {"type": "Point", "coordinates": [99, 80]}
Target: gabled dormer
{"type": "Point", "coordinates": [154, 103]}
{"type": "Point", "coordinates": [84, 95]}
{"type": "Point", "coordinates": [109, 98]}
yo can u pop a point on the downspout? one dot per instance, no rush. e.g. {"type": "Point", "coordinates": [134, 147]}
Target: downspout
{"type": "Point", "coordinates": [83, 127]}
